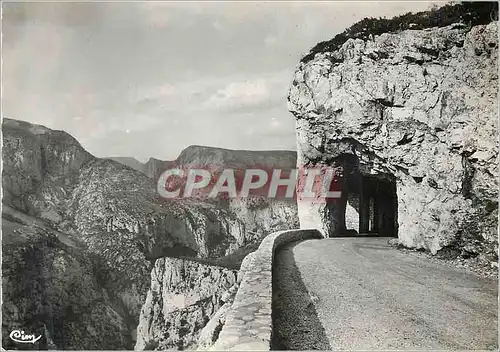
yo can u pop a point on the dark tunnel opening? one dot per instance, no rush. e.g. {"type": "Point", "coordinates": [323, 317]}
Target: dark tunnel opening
{"type": "Point", "coordinates": [378, 206]}
{"type": "Point", "coordinates": [368, 205]}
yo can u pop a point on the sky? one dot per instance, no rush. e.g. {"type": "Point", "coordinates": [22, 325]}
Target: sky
{"type": "Point", "coordinates": [148, 79]}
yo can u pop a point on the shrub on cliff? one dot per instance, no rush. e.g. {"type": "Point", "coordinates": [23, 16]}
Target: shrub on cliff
{"type": "Point", "coordinates": [469, 13]}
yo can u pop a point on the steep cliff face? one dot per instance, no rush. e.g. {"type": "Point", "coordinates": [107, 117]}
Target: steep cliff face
{"type": "Point", "coordinates": [39, 166]}
{"type": "Point", "coordinates": [238, 159]}
{"type": "Point", "coordinates": [257, 216]}
{"type": "Point", "coordinates": [98, 210]}
{"type": "Point", "coordinates": [55, 289]}
{"type": "Point", "coordinates": [260, 215]}
{"type": "Point", "coordinates": [247, 220]}
{"type": "Point", "coordinates": [118, 214]}
{"type": "Point", "coordinates": [263, 216]}
{"type": "Point", "coordinates": [416, 111]}
{"type": "Point", "coordinates": [184, 295]}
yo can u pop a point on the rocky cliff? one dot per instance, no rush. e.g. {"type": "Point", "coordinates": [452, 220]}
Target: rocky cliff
{"type": "Point", "coordinates": [53, 287]}
{"type": "Point", "coordinates": [259, 216]}
{"type": "Point", "coordinates": [183, 297]}
{"type": "Point", "coordinates": [40, 167]}
{"type": "Point", "coordinates": [106, 224]}
{"type": "Point", "coordinates": [236, 159]}
{"type": "Point", "coordinates": [413, 112]}
{"type": "Point", "coordinates": [165, 325]}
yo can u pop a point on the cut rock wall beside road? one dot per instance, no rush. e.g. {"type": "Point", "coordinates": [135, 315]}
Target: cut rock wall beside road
{"type": "Point", "coordinates": [248, 323]}
{"type": "Point", "coordinates": [419, 107]}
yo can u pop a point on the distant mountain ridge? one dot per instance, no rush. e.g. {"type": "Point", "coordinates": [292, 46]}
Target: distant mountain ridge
{"type": "Point", "coordinates": [130, 162]}
{"type": "Point", "coordinates": [197, 155]}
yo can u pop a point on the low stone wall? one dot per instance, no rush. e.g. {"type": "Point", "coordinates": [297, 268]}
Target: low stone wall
{"type": "Point", "coordinates": [248, 323]}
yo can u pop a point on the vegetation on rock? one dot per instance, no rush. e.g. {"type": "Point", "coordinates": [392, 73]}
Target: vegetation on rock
{"type": "Point", "coordinates": [468, 13]}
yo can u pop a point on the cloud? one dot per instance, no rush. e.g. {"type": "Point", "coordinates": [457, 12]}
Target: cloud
{"type": "Point", "coordinates": [221, 94]}
{"type": "Point", "coordinates": [257, 93]}
{"type": "Point", "coordinates": [170, 73]}
{"type": "Point", "coordinates": [236, 94]}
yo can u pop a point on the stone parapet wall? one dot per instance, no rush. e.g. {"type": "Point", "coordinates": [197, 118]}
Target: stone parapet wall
{"type": "Point", "coordinates": [248, 323]}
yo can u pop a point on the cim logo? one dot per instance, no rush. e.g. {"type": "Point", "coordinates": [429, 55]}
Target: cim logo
{"type": "Point", "coordinates": [22, 337]}
{"type": "Point", "coordinates": [316, 184]}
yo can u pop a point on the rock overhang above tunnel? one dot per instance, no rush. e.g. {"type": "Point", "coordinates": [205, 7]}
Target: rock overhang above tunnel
{"type": "Point", "coordinates": [412, 122]}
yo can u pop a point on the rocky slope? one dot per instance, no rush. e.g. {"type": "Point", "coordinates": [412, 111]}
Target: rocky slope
{"type": "Point", "coordinates": [97, 208]}
{"type": "Point", "coordinates": [180, 326]}
{"type": "Point", "coordinates": [184, 295]}
{"type": "Point", "coordinates": [58, 291]}
{"type": "Point", "coordinates": [417, 106]}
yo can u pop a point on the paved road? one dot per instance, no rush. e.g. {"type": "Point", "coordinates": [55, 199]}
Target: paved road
{"type": "Point", "coordinates": [361, 294]}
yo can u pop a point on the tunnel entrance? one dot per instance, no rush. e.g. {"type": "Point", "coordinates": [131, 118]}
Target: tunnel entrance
{"type": "Point", "coordinates": [378, 206]}
{"type": "Point", "coordinates": [368, 206]}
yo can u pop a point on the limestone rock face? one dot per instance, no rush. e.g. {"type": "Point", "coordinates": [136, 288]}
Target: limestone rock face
{"type": "Point", "coordinates": [59, 292]}
{"type": "Point", "coordinates": [110, 208]}
{"type": "Point", "coordinates": [260, 215]}
{"type": "Point", "coordinates": [256, 216]}
{"type": "Point", "coordinates": [118, 215]}
{"type": "Point", "coordinates": [209, 334]}
{"type": "Point", "coordinates": [419, 106]}
{"type": "Point", "coordinates": [183, 297]}
{"type": "Point", "coordinates": [263, 216]}
{"type": "Point", "coordinates": [237, 159]}
{"type": "Point", "coordinates": [39, 165]}
{"type": "Point", "coordinates": [108, 212]}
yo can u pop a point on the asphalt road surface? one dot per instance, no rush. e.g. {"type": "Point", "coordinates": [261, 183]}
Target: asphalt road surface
{"type": "Point", "coordinates": [362, 294]}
